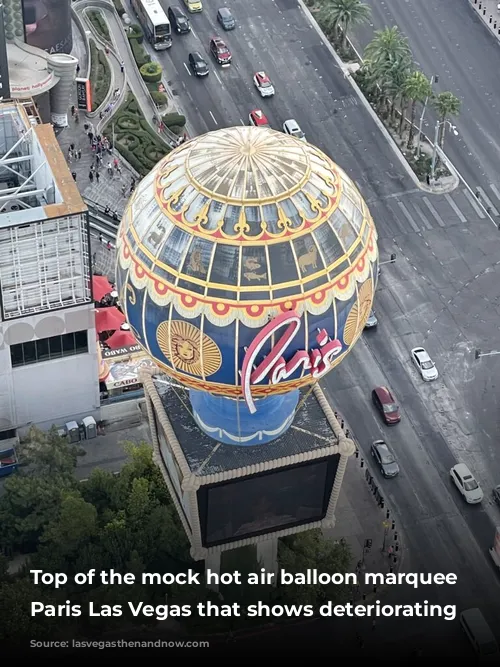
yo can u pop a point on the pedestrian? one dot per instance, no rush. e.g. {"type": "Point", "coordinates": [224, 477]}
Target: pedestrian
{"type": "Point", "coordinates": [110, 169]}
{"type": "Point", "coordinates": [94, 258]}
{"type": "Point", "coordinates": [428, 179]}
{"type": "Point", "coordinates": [115, 216]}
{"type": "Point", "coordinates": [73, 173]}
{"type": "Point", "coordinates": [106, 210]}
{"type": "Point", "coordinates": [73, 109]}
{"type": "Point", "coordinates": [101, 238]}
{"type": "Point", "coordinates": [70, 154]}
{"type": "Point", "coordinates": [108, 246]}
{"type": "Point", "coordinates": [72, 147]}
{"type": "Point", "coordinates": [97, 176]}
{"type": "Point", "coordinates": [91, 176]}
{"type": "Point", "coordinates": [124, 190]}
{"type": "Point", "coordinates": [79, 154]}
{"type": "Point", "coordinates": [106, 49]}
{"type": "Point", "coordinates": [122, 67]}
{"type": "Point", "coordinates": [90, 136]}
{"type": "Point", "coordinates": [132, 186]}
{"type": "Point", "coordinates": [77, 69]}
{"type": "Point", "coordinates": [77, 116]}
{"type": "Point", "coordinates": [86, 127]}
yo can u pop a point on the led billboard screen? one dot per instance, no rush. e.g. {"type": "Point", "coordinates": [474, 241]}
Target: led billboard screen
{"type": "Point", "coordinates": [280, 499]}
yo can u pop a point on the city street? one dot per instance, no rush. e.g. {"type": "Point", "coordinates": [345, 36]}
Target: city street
{"type": "Point", "coordinates": [442, 292]}
{"type": "Point", "coordinates": [449, 39]}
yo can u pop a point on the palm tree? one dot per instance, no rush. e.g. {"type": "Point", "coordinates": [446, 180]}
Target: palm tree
{"type": "Point", "coordinates": [418, 88]}
{"type": "Point", "coordinates": [446, 104]}
{"type": "Point", "coordinates": [388, 47]}
{"type": "Point", "coordinates": [399, 74]}
{"type": "Point", "coordinates": [343, 14]}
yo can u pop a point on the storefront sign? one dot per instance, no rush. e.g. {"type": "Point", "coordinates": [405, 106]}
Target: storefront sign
{"type": "Point", "coordinates": [315, 362]}
{"type": "Point", "coordinates": [4, 65]}
{"type": "Point", "coordinates": [84, 94]}
{"type": "Point", "coordinates": [121, 351]}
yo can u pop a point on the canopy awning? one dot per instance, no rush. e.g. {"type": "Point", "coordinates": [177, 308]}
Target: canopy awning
{"type": "Point", "coordinates": [108, 319]}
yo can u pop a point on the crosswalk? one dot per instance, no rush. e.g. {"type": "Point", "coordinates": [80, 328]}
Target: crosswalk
{"type": "Point", "coordinates": [418, 211]}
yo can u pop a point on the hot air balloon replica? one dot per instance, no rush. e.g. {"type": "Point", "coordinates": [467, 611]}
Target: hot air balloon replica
{"type": "Point", "coordinates": [246, 266]}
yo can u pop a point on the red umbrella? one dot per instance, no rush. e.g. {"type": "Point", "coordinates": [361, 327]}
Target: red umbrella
{"type": "Point", "coordinates": [108, 319]}
{"type": "Point", "coordinates": [121, 339]}
{"type": "Point", "coordinates": [100, 287]}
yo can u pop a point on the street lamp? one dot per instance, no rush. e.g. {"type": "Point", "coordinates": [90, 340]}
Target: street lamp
{"type": "Point", "coordinates": [434, 79]}
{"type": "Point", "coordinates": [478, 354]}
{"type": "Point", "coordinates": [436, 139]}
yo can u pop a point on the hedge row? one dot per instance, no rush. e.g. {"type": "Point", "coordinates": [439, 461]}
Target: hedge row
{"type": "Point", "coordinates": [100, 76]}
{"type": "Point", "coordinates": [99, 23]}
{"type": "Point", "coordinates": [134, 138]}
{"type": "Point", "coordinates": [151, 71]}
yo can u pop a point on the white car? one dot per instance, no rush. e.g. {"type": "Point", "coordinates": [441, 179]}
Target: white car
{"type": "Point", "coordinates": [426, 367]}
{"type": "Point", "coordinates": [466, 483]}
{"type": "Point", "coordinates": [292, 128]}
{"type": "Point", "coordinates": [263, 84]}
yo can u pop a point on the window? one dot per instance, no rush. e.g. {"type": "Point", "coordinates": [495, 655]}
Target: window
{"type": "Point", "coordinates": [45, 349]}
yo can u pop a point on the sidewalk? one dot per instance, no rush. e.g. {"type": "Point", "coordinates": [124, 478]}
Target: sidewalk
{"type": "Point", "coordinates": [489, 13]}
{"type": "Point", "coordinates": [106, 191]}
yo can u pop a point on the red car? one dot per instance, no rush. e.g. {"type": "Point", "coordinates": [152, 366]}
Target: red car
{"type": "Point", "coordinates": [258, 118]}
{"type": "Point", "coordinates": [385, 403]}
{"type": "Point", "coordinates": [220, 51]}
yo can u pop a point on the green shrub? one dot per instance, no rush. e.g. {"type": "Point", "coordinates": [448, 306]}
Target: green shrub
{"type": "Point", "coordinates": [134, 31]}
{"type": "Point", "coordinates": [177, 129]}
{"type": "Point", "coordinates": [151, 72]}
{"type": "Point", "coordinates": [100, 76]}
{"type": "Point", "coordinates": [120, 9]}
{"type": "Point", "coordinates": [160, 99]}
{"type": "Point", "coordinates": [136, 141]}
{"type": "Point", "coordinates": [99, 22]}
{"type": "Point", "coordinates": [171, 119]}
{"type": "Point", "coordinates": [140, 56]}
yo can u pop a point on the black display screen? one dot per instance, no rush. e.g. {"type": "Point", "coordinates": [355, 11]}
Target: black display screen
{"type": "Point", "coordinates": [280, 499]}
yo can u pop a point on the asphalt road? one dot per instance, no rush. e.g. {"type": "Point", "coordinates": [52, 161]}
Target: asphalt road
{"type": "Point", "coordinates": [443, 291]}
{"type": "Point", "coordinates": [449, 39]}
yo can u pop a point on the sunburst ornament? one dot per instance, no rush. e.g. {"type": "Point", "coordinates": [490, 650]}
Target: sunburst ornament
{"type": "Point", "coordinates": [359, 313]}
{"type": "Point", "coordinates": [188, 349]}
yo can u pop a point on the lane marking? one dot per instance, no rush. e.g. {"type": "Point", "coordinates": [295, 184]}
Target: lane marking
{"type": "Point", "coordinates": [242, 122]}
{"type": "Point", "coordinates": [213, 117]}
{"type": "Point", "coordinates": [472, 201]}
{"type": "Point", "coordinates": [218, 78]}
{"type": "Point", "coordinates": [453, 205]}
{"type": "Point", "coordinates": [188, 69]}
{"type": "Point", "coordinates": [495, 190]}
{"type": "Point", "coordinates": [194, 34]}
{"type": "Point", "coordinates": [407, 215]}
{"type": "Point", "coordinates": [488, 201]}
{"type": "Point", "coordinates": [422, 216]}
{"type": "Point", "coordinates": [436, 215]}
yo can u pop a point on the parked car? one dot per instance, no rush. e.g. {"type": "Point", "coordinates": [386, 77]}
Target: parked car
{"type": "Point", "coordinates": [385, 459]}
{"type": "Point", "coordinates": [226, 19]}
{"type": "Point", "coordinates": [386, 404]}
{"type": "Point", "coordinates": [372, 321]}
{"type": "Point", "coordinates": [466, 483]}
{"type": "Point", "coordinates": [198, 64]}
{"type": "Point", "coordinates": [424, 364]}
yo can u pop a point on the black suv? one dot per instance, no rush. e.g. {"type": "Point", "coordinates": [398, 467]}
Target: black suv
{"type": "Point", "coordinates": [179, 21]}
{"type": "Point", "coordinates": [198, 64]}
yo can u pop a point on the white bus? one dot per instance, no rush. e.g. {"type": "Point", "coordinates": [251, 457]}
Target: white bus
{"type": "Point", "coordinates": [154, 22]}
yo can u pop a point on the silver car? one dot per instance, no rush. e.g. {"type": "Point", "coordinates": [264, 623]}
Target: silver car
{"type": "Point", "coordinates": [292, 128]}
{"type": "Point", "coordinates": [372, 321]}
{"type": "Point", "coordinates": [424, 364]}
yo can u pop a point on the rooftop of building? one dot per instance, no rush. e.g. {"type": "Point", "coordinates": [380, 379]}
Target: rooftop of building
{"type": "Point", "coordinates": [205, 456]}
{"type": "Point", "coordinates": [35, 181]}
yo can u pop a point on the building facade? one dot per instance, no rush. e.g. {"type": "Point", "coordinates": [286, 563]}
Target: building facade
{"type": "Point", "coordinates": [48, 354]}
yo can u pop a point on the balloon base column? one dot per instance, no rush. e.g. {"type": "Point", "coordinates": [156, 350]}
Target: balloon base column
{"type": "Point", "coordinates": [229, 420]}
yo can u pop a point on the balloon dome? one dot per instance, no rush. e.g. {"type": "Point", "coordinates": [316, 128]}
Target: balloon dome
{"type": "Point", "coordinates": [232, 237]}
